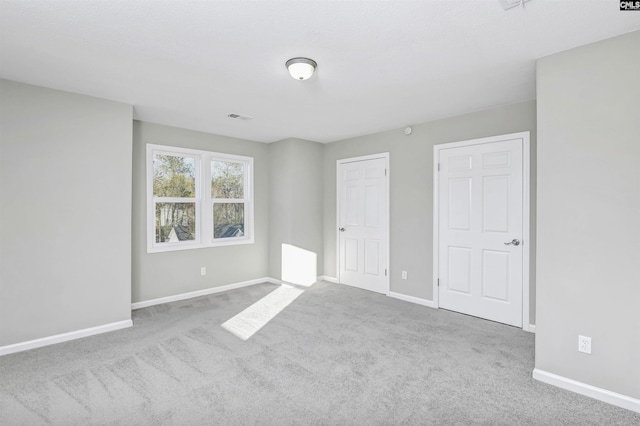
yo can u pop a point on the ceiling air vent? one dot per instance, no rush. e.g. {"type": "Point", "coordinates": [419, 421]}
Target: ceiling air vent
{"type": "Point", "coordinates": [239, 117]}
{"type": "Point", "coordinates": [508, 4]}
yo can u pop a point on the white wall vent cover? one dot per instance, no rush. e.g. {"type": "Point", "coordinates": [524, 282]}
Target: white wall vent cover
{"type": "Point", "coordinates": [239, 117]}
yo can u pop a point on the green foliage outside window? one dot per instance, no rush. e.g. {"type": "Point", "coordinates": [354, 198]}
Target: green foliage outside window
{"type": "Point", "coordinates": [227, 182]}
{"type": "Point", "coordinates": [227, 179]}
{"type": "Point", "coordinates": [175, 177]}
{"type": "Point", "coordinates": [180, 198]}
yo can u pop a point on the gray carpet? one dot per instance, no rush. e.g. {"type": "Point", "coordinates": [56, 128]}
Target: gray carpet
{"type": "Point", "coordinates": [336, 356]}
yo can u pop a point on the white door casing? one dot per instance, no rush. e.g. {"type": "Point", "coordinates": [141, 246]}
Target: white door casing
{"type": "Point", "coordinates": [481, 207]}
{"type": "Point", "coordinates": [363, 222]}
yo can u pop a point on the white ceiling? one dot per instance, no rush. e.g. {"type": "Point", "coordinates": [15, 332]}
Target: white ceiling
{"type": "Point", "coordinates": [381, 64]}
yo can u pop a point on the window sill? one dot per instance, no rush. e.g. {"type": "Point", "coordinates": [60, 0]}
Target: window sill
{"type": "Point", "coordinates": [186, 246]}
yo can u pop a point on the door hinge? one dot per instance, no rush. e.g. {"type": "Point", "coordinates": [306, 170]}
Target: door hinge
{"type": "Point", "coordinates": [385, 272]}
{"type": "Point", "coordinates": [385, 172]}
{"type": "Point", "coordinates": [438, 282]}
{"type": "Point", "coordinates": [438, 166]}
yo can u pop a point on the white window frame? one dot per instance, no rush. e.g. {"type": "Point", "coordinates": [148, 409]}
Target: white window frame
{"type": "Point", "coordinates": [204, 201]}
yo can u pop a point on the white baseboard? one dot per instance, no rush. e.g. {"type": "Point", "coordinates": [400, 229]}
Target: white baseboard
{"type": "Point", "coordinates": [198, 293]}
{"type": "Point", "coordinates": [600, 394]}
{"type": "Point", "coordinates": [64, 337]}
{"type": "Point", "coordinates": [319, 278]}
{"type": "Point", "coordinates": [412, 299]}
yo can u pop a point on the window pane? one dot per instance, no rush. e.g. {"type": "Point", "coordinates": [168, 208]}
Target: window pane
{"type": "Point", "coordinates": [174, 176]}
{"type": "Point", "coordinates": [227, 179]}
{"type": "Point", "coordinates": [175, 222]}
{"type": "Point", "coordinates": [228, 220]}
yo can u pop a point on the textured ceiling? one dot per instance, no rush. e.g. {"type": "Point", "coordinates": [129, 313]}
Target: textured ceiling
{"type": "Point", "coordinates": [381, 64]}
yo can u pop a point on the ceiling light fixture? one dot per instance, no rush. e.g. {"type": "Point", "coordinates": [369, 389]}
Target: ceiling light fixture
{"type": "Point", "coordinates": [301, 68]}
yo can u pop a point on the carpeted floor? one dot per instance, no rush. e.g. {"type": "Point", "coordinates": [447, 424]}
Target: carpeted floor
{"type": "Point", "coordinates": [335, 356]}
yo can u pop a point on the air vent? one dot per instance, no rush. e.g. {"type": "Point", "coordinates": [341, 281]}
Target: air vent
{"type": "Point", "coordinates": [508, 4]}
{"type": "Point", "coordinates": [239, 117]}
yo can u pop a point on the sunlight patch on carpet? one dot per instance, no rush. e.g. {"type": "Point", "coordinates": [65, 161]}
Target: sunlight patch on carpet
{"type": "Point", "coordinates": [248, 322]}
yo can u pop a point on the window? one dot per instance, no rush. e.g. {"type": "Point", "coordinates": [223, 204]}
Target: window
{"type": "Point", "coordinates": [197, 199]}
{"type": "Point", "coordinates": [227, 194]}
{"type": "Point", "coordinates": [174, 197]}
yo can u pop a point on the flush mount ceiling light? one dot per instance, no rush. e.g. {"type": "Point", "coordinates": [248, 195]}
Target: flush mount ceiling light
{"type": "Point", "coordinates": [301, 68]}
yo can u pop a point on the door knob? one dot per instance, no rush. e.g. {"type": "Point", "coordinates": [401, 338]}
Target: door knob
{"type": "Point", "coordinates": [515, 242]}
{"type": "Point", "coordinates": [342, 229]}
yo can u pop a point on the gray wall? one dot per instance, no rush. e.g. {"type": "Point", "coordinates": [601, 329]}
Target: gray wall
{"type": "Point", "coordinates": [83, 145]}
{"type": "Point", "coordinates": [65, 233]}
{"type": "Point", "coordinates": [166, 274]}
{"type": "Point", "coordinates": [411, 180]}
{"type": "Point", "coordinates": [295, 200]}
{"type": "Point", "coordinates": [589, 213]}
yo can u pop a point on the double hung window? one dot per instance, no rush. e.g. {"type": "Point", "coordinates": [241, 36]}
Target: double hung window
{"type": "Point", "coordinates": [197, 199]}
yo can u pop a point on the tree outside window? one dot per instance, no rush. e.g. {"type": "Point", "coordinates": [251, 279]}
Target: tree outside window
{"type": "Point", "coordinates": [183, 213]}
{"type": "Point", "coordinates": [227, 184]}
{"type": "Point", "coordinates": [174, 183]}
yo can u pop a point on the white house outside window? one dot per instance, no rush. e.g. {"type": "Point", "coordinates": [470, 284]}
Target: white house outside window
{"type": "Point", "coordinates": [197, 199]}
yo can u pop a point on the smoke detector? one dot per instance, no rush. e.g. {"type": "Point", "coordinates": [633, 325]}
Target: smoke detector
{"type": "Point", "coordinates": [508, 4]}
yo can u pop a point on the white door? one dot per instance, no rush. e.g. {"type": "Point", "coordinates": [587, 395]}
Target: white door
{"type": "Point", "coordinates": [363, 222]}
{"type": "Point", "coordinates": [481, 228]}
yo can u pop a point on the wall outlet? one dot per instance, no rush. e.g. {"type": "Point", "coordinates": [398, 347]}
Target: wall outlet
{"type": "Point", "coordinates": [203, 270]}
{"type": "Point", "coordinates": [584, 344]}
{"type": "Point", "coordinates": [404, 275]}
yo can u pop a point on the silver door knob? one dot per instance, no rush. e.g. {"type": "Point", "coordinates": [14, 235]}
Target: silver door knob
{"type": "Point", "coordinates": [515, 242]}
{"type": "Point", "coordinates": [342, 229]}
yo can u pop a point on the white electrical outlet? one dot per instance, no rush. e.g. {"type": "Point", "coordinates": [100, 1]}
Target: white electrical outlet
{"type": "Point", "coordinates": [404, 275]}
{"type": "Point", "coordinates": [584, 344]}
{"type": "Point", "coordinates": [203, 270]}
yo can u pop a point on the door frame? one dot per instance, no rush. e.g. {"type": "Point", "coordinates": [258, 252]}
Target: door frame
{"type": "Point", "coordinates": [384, 155]}
{"type": "Point", "coordinates": [526, 193]}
